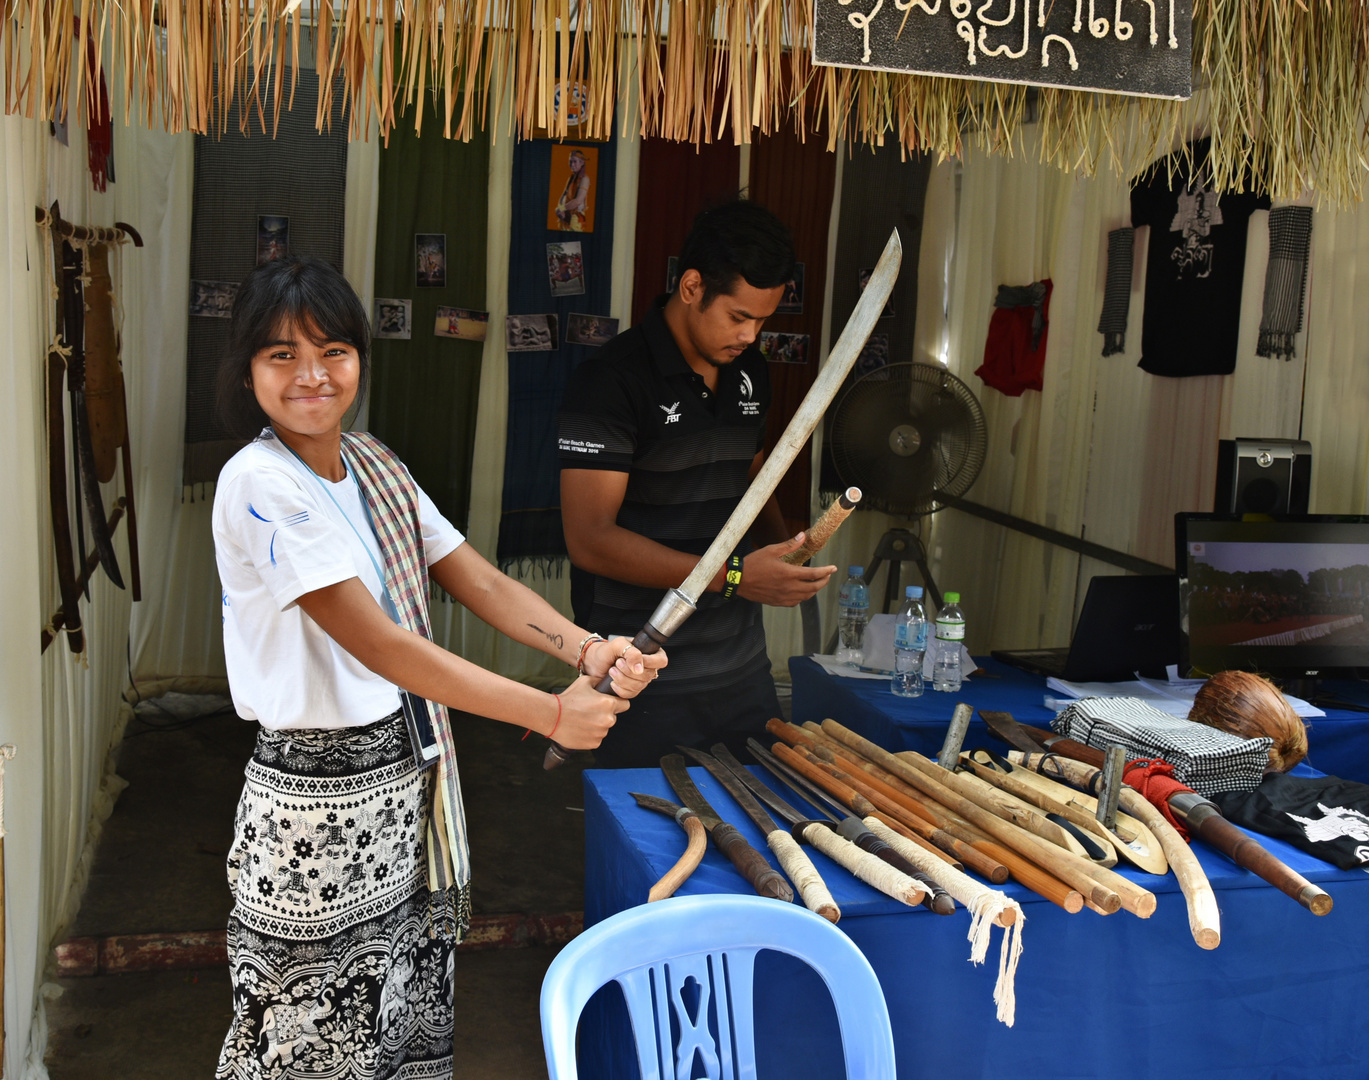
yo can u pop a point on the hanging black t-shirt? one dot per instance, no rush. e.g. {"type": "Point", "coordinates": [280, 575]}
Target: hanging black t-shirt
{"type": "Point", "coordinates": [1325, 816]}
{"type": "Point", "coordinates": [1194, 269]}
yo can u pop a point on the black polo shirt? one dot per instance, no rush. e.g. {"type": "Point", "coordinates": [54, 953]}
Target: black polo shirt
{"type": "Point", "coordinates": [638, 408]}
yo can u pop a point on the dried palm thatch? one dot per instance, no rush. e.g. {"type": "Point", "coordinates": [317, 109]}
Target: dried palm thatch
{"type": "Point", "coordinates": [1285, 79]}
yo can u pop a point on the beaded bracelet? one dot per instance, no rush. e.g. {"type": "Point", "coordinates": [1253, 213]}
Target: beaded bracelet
{"type": "Point", "coordinates": [585, 643]}
{"type": "Point", "coordinates": [733, 579]}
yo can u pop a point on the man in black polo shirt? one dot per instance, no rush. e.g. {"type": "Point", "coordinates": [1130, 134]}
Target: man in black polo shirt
{"type": "Point", "coordinates": [660, 435]}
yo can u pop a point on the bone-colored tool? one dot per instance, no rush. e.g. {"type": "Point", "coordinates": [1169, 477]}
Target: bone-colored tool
{"type": "Point", "coordinates": [823, 529]}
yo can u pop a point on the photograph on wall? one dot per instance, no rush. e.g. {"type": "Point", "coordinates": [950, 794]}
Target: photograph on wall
{"type": "Point", "coordinates": [212, 299]}
{"type": "Point", "coordinates": [784, 348]}
{"type": "Point", "coordinates": [672, 273]}
{"type": "Point", "coordinates": [592, 330]}
{"type": "Point", "coordinates": [461, 323]}
{"type": "Point", "coordinates": [431, 255]}
{"type": "Point", "coordinates": [864, 278]}
{"type": "Point", "coordinates": [791, 303]}
{"type": "Point", "coordinates": [530, 333]}
{"type": "Point", "coordinates": [874, 356]}
{"type": "Point", "coordinates": [273, 237]}
{"type": "Point", "coordinates": [566, 268]}
{"type": "Point", "coordinates": [393, 319]}
{"type": "Point", "coordinates": [574, 179]}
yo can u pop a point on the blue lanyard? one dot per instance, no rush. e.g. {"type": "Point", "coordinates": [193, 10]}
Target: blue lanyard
{"type": "Point", "coordinates": [389, 603]}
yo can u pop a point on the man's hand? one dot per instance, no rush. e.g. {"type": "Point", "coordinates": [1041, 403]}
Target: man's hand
{"type": "Point", "coordinates": [766, 580]}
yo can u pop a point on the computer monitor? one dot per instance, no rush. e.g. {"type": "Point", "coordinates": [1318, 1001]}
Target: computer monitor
{"type": "Point", "coordinates": [1287, 596]}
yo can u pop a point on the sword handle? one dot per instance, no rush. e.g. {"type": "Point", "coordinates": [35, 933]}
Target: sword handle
{"type": "Point", "coordinates": [936, 898]}
{"type": "Point", "coordinates": [765, 879]}
{"type": "Point", "coordinates": [647, 641]}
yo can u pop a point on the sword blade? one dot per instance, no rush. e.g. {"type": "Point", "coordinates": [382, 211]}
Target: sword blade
{"type": "Point", "coordinates": [799, 785]}
{"type": "Point", "coordinates": [735, 788]}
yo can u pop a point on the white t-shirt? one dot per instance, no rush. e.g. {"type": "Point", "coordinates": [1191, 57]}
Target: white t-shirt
{"type": "Point", "coordinates": [277, 536]}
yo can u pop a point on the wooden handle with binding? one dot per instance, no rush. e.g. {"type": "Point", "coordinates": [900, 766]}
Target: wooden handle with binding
{"type": "Point", "coordinates": [871, 869]}
{"type": "Point", "coordinates": [821, 530]}
{"type": "Point", "coordinates": [804, 875]}
{"type": "Point", "coordinates": [751, 864]}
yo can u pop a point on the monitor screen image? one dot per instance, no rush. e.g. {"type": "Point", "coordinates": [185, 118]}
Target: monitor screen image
{"type": "Point", "coordinates": [1287, 597]}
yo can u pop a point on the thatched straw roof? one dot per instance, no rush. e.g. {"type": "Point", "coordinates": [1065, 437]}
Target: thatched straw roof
{"type": "Point", "coordinates": [1282, 81]}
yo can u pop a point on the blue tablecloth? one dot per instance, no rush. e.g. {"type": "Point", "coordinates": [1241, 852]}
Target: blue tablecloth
{"type": "Point", "coordinates": [1338, 743]}
{"type": "Point", "coordinates": [1113, 996]}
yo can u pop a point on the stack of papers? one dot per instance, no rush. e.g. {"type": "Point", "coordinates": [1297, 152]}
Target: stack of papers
{"type": "Point", "coordinates": [1173, 695]}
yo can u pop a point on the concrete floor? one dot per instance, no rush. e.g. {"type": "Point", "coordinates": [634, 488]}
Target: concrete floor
{"type": "Point", "coordinates": [160, 868]}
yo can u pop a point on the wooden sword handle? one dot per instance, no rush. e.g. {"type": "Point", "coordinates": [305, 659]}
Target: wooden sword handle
{"type": "Point", "coordinates": [821, 530]}
{"type": "Point", "coordinates": [764, 878]}
{"type": "Point", "coordinates": [678, 874]}
{"type": "Point", "coordinates": [803, 874]}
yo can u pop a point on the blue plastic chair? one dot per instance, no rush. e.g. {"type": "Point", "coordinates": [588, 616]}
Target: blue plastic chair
{"type": "Point", "coordinates": [651, 951]}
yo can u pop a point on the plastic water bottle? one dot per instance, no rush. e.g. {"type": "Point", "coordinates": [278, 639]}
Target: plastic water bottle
{"type": "Point", "coordinates": [853, 613]}
{"type": "Point", "coordinates": [910, 642]}
{"type": "Point", "coordinates": [950, 633]}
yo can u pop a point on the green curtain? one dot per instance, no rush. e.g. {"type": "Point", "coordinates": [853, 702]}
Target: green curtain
{"type": "Point", "coordinates": [425, 391]}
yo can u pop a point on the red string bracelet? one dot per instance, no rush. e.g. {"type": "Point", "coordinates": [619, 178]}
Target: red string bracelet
{"type": "Point", "coordinates": [553, 726]}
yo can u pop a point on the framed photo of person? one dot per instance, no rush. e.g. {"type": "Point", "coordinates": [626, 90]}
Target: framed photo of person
{"type": "Point", "coordinates": [573, 188]}
{"type": "Point", "coordinates": [393, 319]}
{"type": "Point", "coordinates": [430, 250]}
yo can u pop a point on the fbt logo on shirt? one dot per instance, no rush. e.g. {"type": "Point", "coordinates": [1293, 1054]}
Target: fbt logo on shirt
{"type": "Point", "coordinates": [672, 412]}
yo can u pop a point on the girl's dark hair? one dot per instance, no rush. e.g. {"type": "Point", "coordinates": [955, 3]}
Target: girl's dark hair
{"type": "Point", "coordinates": [285, 293]}
{"type": "Point", "coordinates": [738, 239]}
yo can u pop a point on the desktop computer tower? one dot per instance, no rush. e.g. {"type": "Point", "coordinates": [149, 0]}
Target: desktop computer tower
{"type": "Point", "coordinates": [1263, 476]}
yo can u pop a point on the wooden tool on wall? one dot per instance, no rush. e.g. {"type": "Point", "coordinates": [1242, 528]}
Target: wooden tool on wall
{"type": "Point", "coordinates": [84, 355]}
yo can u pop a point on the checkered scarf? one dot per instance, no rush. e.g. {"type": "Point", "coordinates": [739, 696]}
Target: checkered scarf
{"type": "Point", "coordinates": [390, 493]}
{"type": "Point", "coordinates": [1205, 759]}
{"type": "Point", "coordinates": [1290, 234]}
{"type": "Point", "coordinates": [1117, 292]}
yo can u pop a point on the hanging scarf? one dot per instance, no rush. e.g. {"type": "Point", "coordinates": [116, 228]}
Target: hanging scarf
{"type": "Point", "coordinates": [1117, 291]}
{"type": "Point", "coordinates": [392, 498]}
{"type": "Point", "coordinates": [1290, 234]}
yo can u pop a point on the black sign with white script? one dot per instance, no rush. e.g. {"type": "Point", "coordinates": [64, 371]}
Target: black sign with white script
{"type": "Point", "coordinates": [1141, 47]}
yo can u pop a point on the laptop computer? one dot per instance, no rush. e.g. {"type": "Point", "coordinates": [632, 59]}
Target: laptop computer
{"type": "Point", "coordinates": [1128, 624]}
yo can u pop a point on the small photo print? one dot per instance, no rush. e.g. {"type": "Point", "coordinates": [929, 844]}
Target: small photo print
{"type": "Point", "coordinates": [874, 356]}
{"type": "Point", "coordinates": [864, 278]}
{"type": "Point", "coordinates": [461, 323]}
{"type": "Point", "coordinates": [593, 330]}
{"type": "Point", "coordinates": [785, 348]}
{"type": "Point", "coordinates": [394, 319]}
{"type": "Point", "coordinates": [213, 299]}
{"type": "Point", "coordinates": [431, 254]}
{"type": "Point", "coordinates": [672, 273]}
{"type": "Point", "coordinates": [791, 303]}
{"type": "Point", "coordinates": [273, 237]}
{"type": "Point", "coordinates": [566, 269]}
{"type": "Point", "coordinates": [574, 177]}
{"type": "Point", "coordinates": [530, 333]}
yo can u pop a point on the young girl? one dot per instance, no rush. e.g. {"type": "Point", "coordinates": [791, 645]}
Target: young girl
{"type": "Point", "coordinates": [349, 866]}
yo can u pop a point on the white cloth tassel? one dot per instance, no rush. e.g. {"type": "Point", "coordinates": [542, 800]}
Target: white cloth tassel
{"type": "Point", "coordinates": [985, 905]}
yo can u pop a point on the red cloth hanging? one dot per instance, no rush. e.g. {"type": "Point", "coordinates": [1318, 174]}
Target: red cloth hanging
{"type": "Point", "coordinates": [1155, 780]}
{"type": "Point", "coordinates": [1015, 351]}
{"type": "Point", "coordinates": [99, 122]}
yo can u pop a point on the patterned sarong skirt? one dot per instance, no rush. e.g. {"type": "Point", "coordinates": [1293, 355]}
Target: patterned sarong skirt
{"type": "Point", "coordinates": [341, 958]}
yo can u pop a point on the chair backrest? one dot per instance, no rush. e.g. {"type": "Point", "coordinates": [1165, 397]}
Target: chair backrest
{"type": "Point", "coordinates": [652, 951]}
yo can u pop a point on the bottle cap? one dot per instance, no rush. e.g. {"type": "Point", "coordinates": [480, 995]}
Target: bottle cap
{"type": "Point", "coordinates": [952, 598]}
{"type": "Point", "coordinates": [857, 571]}
{"type": "Point", "coordinates": [913, 592]}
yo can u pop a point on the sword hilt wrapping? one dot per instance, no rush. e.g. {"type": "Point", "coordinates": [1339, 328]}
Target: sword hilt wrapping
{"type": "Point", "coordinates": [862, 864]}
{"type": "Point", "coordinates": [804, 875]}
{"type": "Point", "coordinates": [855, 830]}
{"type": "Point", "coordinates": [751, 864]}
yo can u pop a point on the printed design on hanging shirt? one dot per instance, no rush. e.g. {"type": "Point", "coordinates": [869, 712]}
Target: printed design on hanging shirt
{"type": "Point", "coordinates": [283, 523]}
{"type": "Point", "coordinates": [1198, 212]}
{"type": "Point", "coordinates": [672, 412]}
{"type": "Point", "coordinates": [1337, 821]}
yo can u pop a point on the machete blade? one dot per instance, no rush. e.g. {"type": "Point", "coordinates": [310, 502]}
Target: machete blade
{"type": "Point", "coordinates": [1011, 732]}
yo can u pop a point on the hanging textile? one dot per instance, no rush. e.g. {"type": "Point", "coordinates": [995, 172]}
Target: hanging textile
{"type": "Point", "coordinates": [255, 197]}
{"type": "Point", "coordinates": [1112, 324]}
{"type": "Point", "coordinates": [1015, 351]}
{"type": "Point", "coordinates": [1195, 266]}
{"type": "Point", "coordinates": [796, 181]}
{"type": "Point", "coordinates": [880, 190]}
{"type": "Point", "coordinates": [675, 182]}
{"type": "Point", "coordinates": [426, 386]}
{"type": "Point", "coordinates": [530, 524]}
{"type": "Point", "coordinates": [1285, 280]}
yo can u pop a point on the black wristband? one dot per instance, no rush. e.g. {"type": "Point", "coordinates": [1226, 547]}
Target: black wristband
{"type": "Point", "coordinates": [732, 580]}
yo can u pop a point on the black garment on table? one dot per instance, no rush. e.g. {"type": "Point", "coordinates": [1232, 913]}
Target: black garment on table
{"type": "Point", "coordinates": [638, 408]}
{"type": "Point", "coordinates": [1195, 268]}
{"type": "Point", "coordinates": [1324, 816]}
